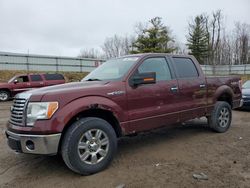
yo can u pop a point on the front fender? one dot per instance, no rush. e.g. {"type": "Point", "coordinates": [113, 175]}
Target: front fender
{"type": "Point", "coordinates": [70, 110]}
{"type": "Point", "coordinates": [64, 114]}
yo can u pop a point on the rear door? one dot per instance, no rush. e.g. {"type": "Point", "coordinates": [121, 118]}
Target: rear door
{"type": "Point", "coordinates": [36, 81]}
{"type": "Point", "coordinates": [192, 88]}
{"type": "Point", "coordinates": [53, 79]}
{"type": "Point", "coordinates": [153, 105]}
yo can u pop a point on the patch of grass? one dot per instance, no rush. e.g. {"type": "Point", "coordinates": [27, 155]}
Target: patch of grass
{"type": "Point", "coordinates": [245, 77]}
{"type": "Point", "coordinates": [5, 75]}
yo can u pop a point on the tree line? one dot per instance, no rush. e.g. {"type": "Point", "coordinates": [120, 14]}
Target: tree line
{"type": "Point", "coordinates": [207, 39]}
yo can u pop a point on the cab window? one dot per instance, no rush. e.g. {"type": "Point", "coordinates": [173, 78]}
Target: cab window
{"type": "Point", "coordinates": [158, 65]}
{"type": "Point", "coordinates": [21, 79]}
{"type": "Point", "coordinates": [36, 77]}
{"type": "Point", "coordinates": [185, 67]}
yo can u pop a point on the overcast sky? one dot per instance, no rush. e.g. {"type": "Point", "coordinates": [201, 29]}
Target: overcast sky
{"type": "Point", "coordinates": [58, 27]}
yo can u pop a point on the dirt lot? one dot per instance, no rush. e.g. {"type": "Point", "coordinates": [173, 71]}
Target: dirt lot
{"type": "Point", "coordinates": [163, 158]}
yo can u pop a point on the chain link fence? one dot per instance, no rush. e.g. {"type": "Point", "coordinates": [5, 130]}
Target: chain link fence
{"type": "Point", "coordinates": [27, 62]}
{"type": "Point", "coordinates": [16, 61]}
{"type": "Point", "coordinates": [226, 69]}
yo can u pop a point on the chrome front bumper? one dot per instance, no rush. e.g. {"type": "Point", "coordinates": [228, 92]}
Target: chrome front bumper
{"type": "Point", "coordinates": [34, 144]}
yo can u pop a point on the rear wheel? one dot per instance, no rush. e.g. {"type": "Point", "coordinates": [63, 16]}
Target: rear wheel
{"type": "Point", "coordinates": [4, 95]}
{"type": "Point", "coordinates": [220, 119]}
{"type": "Point", "coordinates": [89, 145]}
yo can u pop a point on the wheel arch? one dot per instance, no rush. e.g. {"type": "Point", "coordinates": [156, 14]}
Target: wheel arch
{"type": "Point", "coordinates": [5, 89]}
{"type": "Point", "coordinates": [107, 111]}
{"type": "Point", "coordinates": [224, 93]}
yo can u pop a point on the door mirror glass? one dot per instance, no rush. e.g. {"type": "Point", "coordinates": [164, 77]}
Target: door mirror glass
{"type": "Point", "coordinates": [143, 78]}
{"type": "Point", "coordinates": [15, 81]}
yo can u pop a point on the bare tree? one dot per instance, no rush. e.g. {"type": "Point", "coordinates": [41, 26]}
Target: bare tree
{"type": "Point", "coordinates": [241, 43]}
{"type": "Point", "coordinates": [213, 26]}
{"type": "Point", "coordinates": [216, 24]}
{"type": "Point", "coordinates": [117, 46]}
{"type": "Point", "coordinates": [90, 53]}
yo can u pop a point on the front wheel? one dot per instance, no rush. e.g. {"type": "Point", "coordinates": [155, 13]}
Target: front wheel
{"type": "Point", "coordinates": [4, 95]}
{"type": "Point", "coordinates": [221, 117]}
{"type": "Point", "coordinates": [89, 145]}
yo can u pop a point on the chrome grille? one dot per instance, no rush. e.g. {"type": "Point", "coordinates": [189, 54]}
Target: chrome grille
{"type": "Point", "coordinates": [17, 111]}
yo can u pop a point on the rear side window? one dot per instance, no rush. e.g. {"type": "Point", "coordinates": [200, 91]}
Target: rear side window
{"type": "Point", "coordinates": [185, 67]}
{"type": "Point", "coordinates": [54, 77]}
{"type": "Point", "coordinates": [35, 77]}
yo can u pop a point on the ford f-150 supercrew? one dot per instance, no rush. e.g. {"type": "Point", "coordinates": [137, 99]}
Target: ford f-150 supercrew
{"type": "Point", "coordinates": [83, 120]}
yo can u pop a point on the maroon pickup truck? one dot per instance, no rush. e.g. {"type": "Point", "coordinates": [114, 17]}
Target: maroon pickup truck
{"type": "Point", "coordinates": [24, 82]}
{"type": "Point", "coordinates": [82, 121]}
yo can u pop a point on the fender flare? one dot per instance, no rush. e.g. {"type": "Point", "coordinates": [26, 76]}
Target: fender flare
{"type": "Point", "coordinates": [222, 90]}
{"type": "Point", "coordinates": [79, 105]}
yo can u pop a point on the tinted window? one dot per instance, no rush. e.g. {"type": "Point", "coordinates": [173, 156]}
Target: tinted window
{"type": "Point", "coordinates": [185, 68]}
{"type": "Point", "coordinates": [22, 79]}
{"type": "Point", "coordinates": [54, 77]}
{"type": "Point", "coordinates": [246, 85]}
{"type": "Point", "coordinates": [157, 65]}
{"type": "Point", "coordinates": [36, 77]}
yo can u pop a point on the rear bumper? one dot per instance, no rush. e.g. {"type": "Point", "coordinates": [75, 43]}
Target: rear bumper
{"type": "Point", "coordinates": [34, 144]}
{"type": "Point", "coordinates": [237, 103]}
{"type": "Point", "coordinates": [246, 101]}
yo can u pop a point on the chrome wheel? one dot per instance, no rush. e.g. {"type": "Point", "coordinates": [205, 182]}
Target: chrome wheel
{"type": "Point", "coordinates": [3, 96]}
{"type": "Point", "coordinates": [93, 146]}
{"type": "Point", "coordinates": [224, 117]}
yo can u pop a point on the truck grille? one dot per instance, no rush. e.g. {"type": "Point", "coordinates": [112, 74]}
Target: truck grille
{"type": "Point", "coordinates": [17, 112]}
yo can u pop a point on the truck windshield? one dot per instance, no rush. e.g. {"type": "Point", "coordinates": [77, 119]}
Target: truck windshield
{"type": "Point", "coordinates": [113, 69]}
{"type": "Point", "coordinates": [12, 79]}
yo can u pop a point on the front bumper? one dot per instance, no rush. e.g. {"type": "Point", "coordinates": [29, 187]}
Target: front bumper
{"type": "Point", "coordinates": [246, 101]}
{"type": "Point", "coordinates": [34, 144]}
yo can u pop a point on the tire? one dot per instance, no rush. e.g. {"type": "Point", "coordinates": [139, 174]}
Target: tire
{"type": "Point", "coordinates": [221, 117]}
{"type": "Point", "coordinates": [89, 145]}
{"type": "Point", "coordinates": [4, 95]}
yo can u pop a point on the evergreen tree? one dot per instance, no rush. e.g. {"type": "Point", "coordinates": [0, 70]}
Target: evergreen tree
{"type": "Point", "coordinates": [155, 38]}
{"type": "Point", "coordinates": [198, 39]}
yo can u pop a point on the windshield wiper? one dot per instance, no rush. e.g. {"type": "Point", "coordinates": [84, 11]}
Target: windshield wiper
{"type": "Point", "coordinates": [93, 79]}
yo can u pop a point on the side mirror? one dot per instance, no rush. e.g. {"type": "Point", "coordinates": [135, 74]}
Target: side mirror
{"type": "Point", "coordinates": [143, 78]}
{"type": "Point", "coordinates": [15, 81]}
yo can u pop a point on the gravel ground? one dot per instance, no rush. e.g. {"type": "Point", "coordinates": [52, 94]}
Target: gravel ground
{"type": "Point", "coordinates": [163, 158]}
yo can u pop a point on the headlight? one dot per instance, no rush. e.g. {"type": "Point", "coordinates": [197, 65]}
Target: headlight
{"type": "Point", "coordinates": [40, 110]}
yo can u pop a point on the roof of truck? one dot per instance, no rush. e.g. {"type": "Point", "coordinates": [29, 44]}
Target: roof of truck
{"type": "Point", "coordinates": [155, 54]}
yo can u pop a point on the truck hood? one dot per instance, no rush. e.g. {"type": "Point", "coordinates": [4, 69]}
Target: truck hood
{"type": "Point", "coordinates": [67, 92]}
{"type": "Point", "coordinates": [64, 88]}
{"type": "Point", "coordinates": [2, 84]}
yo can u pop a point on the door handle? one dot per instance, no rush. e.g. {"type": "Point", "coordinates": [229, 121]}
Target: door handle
{"type": "Point", "coordinates": [174, 89]}
{"type": "Point", "coordinates": [202, 85]}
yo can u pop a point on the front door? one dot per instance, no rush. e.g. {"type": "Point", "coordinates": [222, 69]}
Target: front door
{"type": "Point", "coordinates": [21, 84]}
{"type": "Point", "coordinates": [153, 105]}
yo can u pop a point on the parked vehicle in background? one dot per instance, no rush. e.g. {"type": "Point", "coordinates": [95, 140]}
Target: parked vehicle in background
{"type": "Point", "coordinates": [24, 82]}
{"type": "Point", "coordinates": [246, 94]}
{"type": "Point", "coordinates": [123, 96]}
